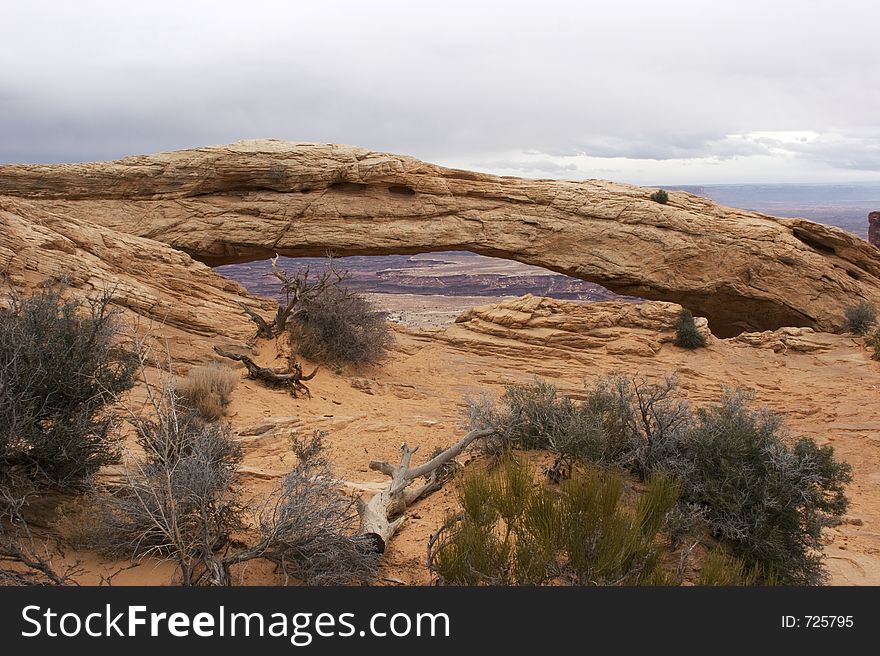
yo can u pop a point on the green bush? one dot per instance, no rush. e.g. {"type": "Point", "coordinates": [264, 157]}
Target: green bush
{"type": "Point", "coordinates": [859, 318]}
{"type": "Point", "coordinates": [512, 532]}
{"type": "Point", "coordinates": [721, 569]}
{"type": "Point", "coordinates": [62, 366]}
{"type": "Point", "coordinates": [686, 333]}
{"type": "Point", "coordinates": [764, 495]}
{"type": "Point", "coordinates": [660, 196]}
{"type": "Point", "coordinates": [874, 343]}
{"type": "Point", "coordinates": [619, 422]}
{"type": "Point", "coordinates": [769, 501]}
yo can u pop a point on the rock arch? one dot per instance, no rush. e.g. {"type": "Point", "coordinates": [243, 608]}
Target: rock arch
{"type": "Point", "coordinates": [250, 200]}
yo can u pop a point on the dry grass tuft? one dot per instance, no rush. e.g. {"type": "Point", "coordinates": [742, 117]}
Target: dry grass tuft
{"type": "Point", "coordinates": [208, 390]}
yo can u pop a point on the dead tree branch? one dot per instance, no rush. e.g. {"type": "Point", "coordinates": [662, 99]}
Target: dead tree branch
{"type": "Point", "coordinates": [298, 289]}
{"type": "Point", "coordinates": [293, 380]}
{"type": "Point", "coordinates": [385, 512]}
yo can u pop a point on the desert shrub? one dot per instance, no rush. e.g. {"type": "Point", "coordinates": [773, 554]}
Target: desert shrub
{"type": "Point", "coordinates": [62, 365]}
{"type": "Point", "coordinates": [763, 494]}
{"type": "Point", "coordinates": [686, 333]}
{"type": "Point", "coordinates": [179, 502]}
{"type": "Point", "coordinates": [620, 421]}
{"type": "Point", "coordinates": [660, 196]}
{"type": "Point", "coordinates": [339, 327]}
{"type": "Point", "coordinates": [208, 390]}
{"type": "Point", "coordinates": [512, 532]}
{"type": "Point", "coordinates": [859, 318]}
{"type": "Point", "coordinates": [874, 343]}
{"type": "Point", "coordinates": [78, 521]}
{"type": "Point", "coordinates": [176, 501]}
{"type": "Point", "coordinates": [309, 526]}
{"type": "Point", "coordinates": [769, 501]}
{"type": "Point", "coordinates": [719, 568]}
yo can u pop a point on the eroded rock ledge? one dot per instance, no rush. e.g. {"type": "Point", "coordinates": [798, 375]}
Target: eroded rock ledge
{"type": "Point", "coordinates": [742, 270]}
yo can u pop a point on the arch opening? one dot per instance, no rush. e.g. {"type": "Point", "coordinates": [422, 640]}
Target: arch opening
{"type": "Point", "coordinates": [429, 289]}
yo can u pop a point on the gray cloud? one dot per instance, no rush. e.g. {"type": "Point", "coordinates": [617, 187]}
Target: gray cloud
{"type": "Point", "coordinates": [452, 81]}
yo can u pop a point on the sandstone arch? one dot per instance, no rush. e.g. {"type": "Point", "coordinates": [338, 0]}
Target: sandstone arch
{"type": "Point", "coordinates": [250, 200]}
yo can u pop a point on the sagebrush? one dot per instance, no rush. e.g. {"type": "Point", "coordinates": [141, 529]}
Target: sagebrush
{"type": "Point", "coordinates": [859, 318]}
{"type": "Point", "coordinates": [764, 494]}
{"type": "Point", "coordinates": [180, 501]}
{"type": "Point", "coordinates": [339, 327]}
{"type": "Point", "coordinates": [63, 363]}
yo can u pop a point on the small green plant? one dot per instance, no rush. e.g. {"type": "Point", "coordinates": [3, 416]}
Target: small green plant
{"type": "Point", "coordinates": [686, 333]}
{"type": "Point", "coordinates": [874, 343]}
{"type": "Point", "coordinates": [721, 569]}
{"type": "Point", "coordinates": [660, 196]}
{"type": "Point", "coordinates": [513, 532]}
{"type": "Point", "coordinates": [859, 318]}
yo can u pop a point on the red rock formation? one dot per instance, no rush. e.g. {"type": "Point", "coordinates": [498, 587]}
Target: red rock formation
{"type": "Point", "coordinates": [874, 228]}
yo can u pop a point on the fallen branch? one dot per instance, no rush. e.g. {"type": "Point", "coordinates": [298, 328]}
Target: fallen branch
{"type": "Point", "coordinates": [385, 512]}
{"type": "Point", "coordinates": [292, 380]}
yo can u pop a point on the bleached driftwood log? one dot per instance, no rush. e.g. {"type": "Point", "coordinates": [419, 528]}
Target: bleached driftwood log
{"type": "Point", "coordinates": [386, 511]}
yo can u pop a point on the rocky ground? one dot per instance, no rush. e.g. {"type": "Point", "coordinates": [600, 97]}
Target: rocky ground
{"type": "Point", "coordinates": [825, 384]}
{"type": "Point", "coordinates": [145, 228]}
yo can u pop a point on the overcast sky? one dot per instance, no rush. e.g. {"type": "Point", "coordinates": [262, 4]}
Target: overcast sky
{"type": "Point", "coordinates": [644, 91]}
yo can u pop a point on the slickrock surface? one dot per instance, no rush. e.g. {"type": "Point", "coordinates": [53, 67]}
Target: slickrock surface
{"type": "Point", "coordinates": [741, 270]}
{"type": "Point", "coordinates": [118, 224]}
{"type": "Point", "coordinates": [417, 395]}
{"type": "Point", "coordinates": [163, 291]}
{"type": "Point", "coordinates": [612, 327]}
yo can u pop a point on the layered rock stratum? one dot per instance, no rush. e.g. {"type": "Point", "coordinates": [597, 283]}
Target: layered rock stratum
{"type": "Point", "coordinates": [146, 228]}
{"type": "Point", "coordinates": [742, 270]}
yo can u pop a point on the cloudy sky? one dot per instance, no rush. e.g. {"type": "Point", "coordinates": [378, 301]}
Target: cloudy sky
{"type": "Point", "coordinates": [636, 90]}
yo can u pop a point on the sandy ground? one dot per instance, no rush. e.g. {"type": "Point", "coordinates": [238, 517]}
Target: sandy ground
{"type": "Point", "coordinates": [417, 395]}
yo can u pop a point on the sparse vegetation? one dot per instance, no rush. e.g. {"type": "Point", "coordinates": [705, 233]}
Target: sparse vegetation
{"type": "Point", "coordinates": [763, 494]}
{"type": "Point", "coordinates": [721, 569]}
{"type": "Point", "coordinates": [619, 422]}
{"type": "Point", "coordinates": [767, 500]}
{"type": "Point", "coordinates": [339, 327]}
{"type": "Point", "coordinates": [208, 390]}
{"type": "Point", "coordinates": [179, 502]}
{"type": "Point", "coordinates": [326, 322]}
{"type": "Point", "coordinates": [874, 343]}
{"type": "Point", "coordinates": [660, 196]}
{"type": "Point", "coordinates": [512, 532]}
{"type": "Point", "coordinates": [62, 364]}
{"type": "Point", "coordinates": [308, 526]}
{"type": "Point", "coordinates": [859, 318]}
{"type": "Point", "coordinates": [686, 333]}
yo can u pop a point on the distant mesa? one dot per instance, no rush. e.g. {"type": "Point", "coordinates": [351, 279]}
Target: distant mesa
{"type": "Point", "coordinates": [742, 270]}
{"type": "Point", "coordinates": [874, 228]}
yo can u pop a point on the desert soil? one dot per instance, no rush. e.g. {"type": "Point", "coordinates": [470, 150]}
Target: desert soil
{"type": "Point", "coordinates": [827, 388]}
